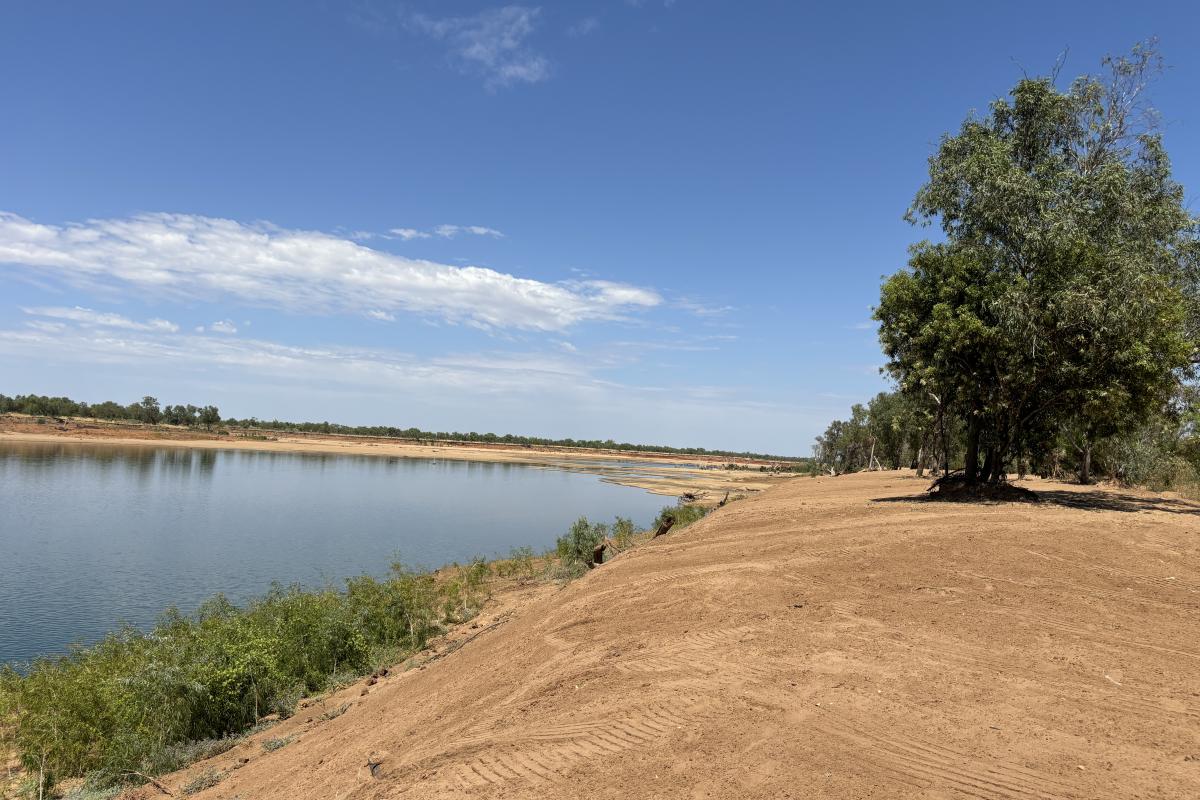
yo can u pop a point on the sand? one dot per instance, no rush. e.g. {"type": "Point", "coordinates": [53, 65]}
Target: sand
{"type": "Point", "coordinates": [827, 638]}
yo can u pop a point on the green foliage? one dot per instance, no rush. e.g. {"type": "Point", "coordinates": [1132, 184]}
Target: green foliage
{"type": "Point", "coordinates": [271, 745]}
{"type": "Point", "coordinates": [146, 410]}
{"type": "Point", "coordinates": [576, 546]}
{"type": "Point", "coordinates": [150, 703]}
{"type": "Point", "coordinates": [683, 514]}
{"type": "Point", "coordinates": [891, 431]}
{"type": "Point", "coordinates": [1065, 292]}
{"type": "Point", "coordinates": [623, 531]}
{"type": "Point", "coordinates": [520, 562]}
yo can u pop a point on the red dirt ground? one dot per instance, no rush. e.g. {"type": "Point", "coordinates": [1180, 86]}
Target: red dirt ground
{"type": "Point", "coordinates": [829, 638]}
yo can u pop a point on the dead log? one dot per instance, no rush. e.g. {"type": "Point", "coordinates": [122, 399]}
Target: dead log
{"type": "Point", "coordinates": [597, 555]}
{"type": "Point", "coordinates": [723, 501]}
{"type": "Point", "coordinates": [664, 526]}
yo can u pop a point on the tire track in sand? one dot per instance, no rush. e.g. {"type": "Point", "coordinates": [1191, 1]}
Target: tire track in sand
{"type": "Point", "coordinates": [941, 767]}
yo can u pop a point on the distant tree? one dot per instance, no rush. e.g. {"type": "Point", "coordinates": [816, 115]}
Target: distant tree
{"type": "Point", "coordinates": [209, 416]}
{"type": "Point", "coordinates": [148, 410]}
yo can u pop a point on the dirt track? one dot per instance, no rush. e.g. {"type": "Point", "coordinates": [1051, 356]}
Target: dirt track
{"type": "Point", "coordinates": [809, 642]}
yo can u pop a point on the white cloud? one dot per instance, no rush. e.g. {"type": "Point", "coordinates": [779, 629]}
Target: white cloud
{"type": "Point", "coordinates": [225, 326]}
{"type": "Point", "coordinates": [548, 393]}
{"type": "Point", "coordinates": [444, 231]}
{"type": "Point", "coordinates": [186, 257]}
{"type": "Point", "coordinates": [450, 231]}
{"type": "Point", "coordinates": [409, 233]}
{"type": "Point", "coordinates": [87, 316]}
{"type": "Point", "coordinates": [46, 327]}
{"type": "Point", "coordinates": [345, 366]}
{"type": "Point", "coordinates": [491, 44]}
{"type": "Point", "coordinates": [583, 27]}
{"type": "Point", "coordinates": [382, 316]}
{"type": "Point", "coordinates": [702, 309]}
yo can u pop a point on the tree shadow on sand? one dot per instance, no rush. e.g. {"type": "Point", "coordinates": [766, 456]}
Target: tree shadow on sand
{"type": "Point", "coordinates": [1094, 500]}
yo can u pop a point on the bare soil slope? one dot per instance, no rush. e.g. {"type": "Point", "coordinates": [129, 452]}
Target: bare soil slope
{"type": "Point", "coordinates": [830, 638]}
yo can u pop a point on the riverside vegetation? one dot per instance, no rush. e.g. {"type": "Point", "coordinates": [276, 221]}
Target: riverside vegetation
{"type": "Point", "coordinates": [148, 411]}
{"type": "Point", "coordinates": [140, 704]}
{"type": "Point", "coordinates": [1056, 326]}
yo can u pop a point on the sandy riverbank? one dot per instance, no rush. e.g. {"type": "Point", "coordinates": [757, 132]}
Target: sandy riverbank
{"type": "Point", "coordinates": [660, 473]}
{"type": "Point", "coordinates": [835, 638]}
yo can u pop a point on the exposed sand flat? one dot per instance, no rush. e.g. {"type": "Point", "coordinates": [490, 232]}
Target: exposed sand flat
{"type": "Point", "coordinates": [829, 638]}
{"type": "Point", "coordinates": [661, 473]}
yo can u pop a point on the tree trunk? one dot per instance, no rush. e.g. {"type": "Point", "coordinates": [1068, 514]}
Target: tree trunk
{"type": "Point", "coordinates": [989, 464]}
{"type": "Point", "coordinates": [1085, 463]}
{"type": "Point", "coordinates": [999, 473]}
{"type": "Point", "coordinates": [921, 462]}
{"type": "Point", "coordinates": [972, 465]}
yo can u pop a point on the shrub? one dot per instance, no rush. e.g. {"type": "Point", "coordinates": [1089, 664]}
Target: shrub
{"type": "Point", "coordinates": [577, 545]}
{"type": "Point", "coordinates": [271, 745]}
{"type": "Point", "coordinates": [520, 561]}
{"type": "Point", "coordinates": [205, 780]}
{"type": "Point", "coordinates": [684, 515]}
{"type": "Point", "coordinates": [622, 533]}
{"type": "Point", "coordinates": [154, 702]}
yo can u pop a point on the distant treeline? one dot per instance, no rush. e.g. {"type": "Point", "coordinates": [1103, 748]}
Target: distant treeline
{"type": "Point", "coordinates": [894, 430]}
{"type": "Point", "coordinates": [147, 410]}
{"type": "Point", "coordinates": [150, 412]}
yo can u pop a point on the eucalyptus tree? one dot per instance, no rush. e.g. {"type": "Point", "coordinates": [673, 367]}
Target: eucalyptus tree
{"type": "Point", "coordinates": [1065, 289]}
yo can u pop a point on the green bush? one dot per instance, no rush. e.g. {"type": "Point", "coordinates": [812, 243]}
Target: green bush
{"type": "Point", "coordinates": [154, 702]}
{"type": "Point", "coordinates": [133, 702]}
{"type": "Point", "coordinates": [683, 514]}
{"type": "Point", "coordinates": [577, 545]}
{"type": "Point", "coordinates": [622, 533]}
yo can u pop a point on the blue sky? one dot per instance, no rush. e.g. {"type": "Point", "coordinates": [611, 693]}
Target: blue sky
{"type": "Point", "coordinates": [650, 221]}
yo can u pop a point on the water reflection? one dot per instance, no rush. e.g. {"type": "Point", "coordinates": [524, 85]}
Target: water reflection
{"type": "Point", "coordinates": [92, 534]}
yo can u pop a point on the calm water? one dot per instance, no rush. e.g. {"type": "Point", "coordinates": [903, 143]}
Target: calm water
{"type": "Point", "coordinates": [91, 535]}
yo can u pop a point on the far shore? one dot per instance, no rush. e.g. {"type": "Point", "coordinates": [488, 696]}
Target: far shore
{"type": "Point", "coordinates": [669, 474]}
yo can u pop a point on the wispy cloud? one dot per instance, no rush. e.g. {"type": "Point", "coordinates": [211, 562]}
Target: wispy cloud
{"type": "Point", "coordinates": [583, 27]}
{"type": "Point", "coordinates": [408, 234]}
{"type": "Point", "coordinates": [450, 231]}
{"type": "Point", "coordinates": [702, 309]}
{"type": "Point", "coordinates": [87, 316]}
{"type": "Point", "coordinates": [571, 396]}
{"type": "Point", "coordinates": [444, 231]}
{"type": "Point", "coordinates": [492, 44]}
{"type": "Point", "coordinates": [184, 256]}
{"type": "Point", "coordinates": [225, 326]}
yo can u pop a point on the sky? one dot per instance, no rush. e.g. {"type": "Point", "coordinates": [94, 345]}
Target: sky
{"type": "Point", "coordinates": [651, 221]}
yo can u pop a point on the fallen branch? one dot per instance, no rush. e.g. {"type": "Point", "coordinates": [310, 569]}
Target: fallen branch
{"type": "Point", "coordinates": [153, 781]}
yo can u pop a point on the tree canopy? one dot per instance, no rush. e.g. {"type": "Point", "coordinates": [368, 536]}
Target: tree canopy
{"type": "Point", "coordinates": [1064, 291]}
